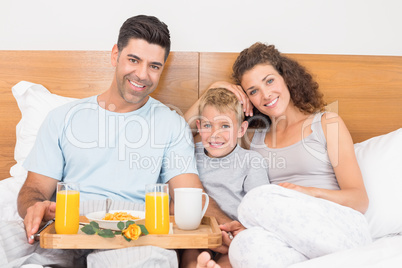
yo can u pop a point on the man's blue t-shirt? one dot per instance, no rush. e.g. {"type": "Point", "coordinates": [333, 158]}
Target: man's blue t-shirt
{"type": "Point", "coordinates": [112, 154]}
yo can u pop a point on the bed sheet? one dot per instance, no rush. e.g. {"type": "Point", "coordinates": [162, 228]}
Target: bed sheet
{"type": "Point", "coordinates": [384, 252]}
{"type": "Point", "coordinates": [9, 189]}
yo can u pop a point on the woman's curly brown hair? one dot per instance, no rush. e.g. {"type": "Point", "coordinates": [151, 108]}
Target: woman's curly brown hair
{"type": "Point", "coordinates": [303, 90]}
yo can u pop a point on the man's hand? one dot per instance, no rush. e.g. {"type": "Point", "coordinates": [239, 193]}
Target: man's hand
{"type": "Point", "coordinates": [36, 215]}
{"type": "Point", "coordinates": [229, 231]}
{"type": "Point", "coordinates": [33, 204]}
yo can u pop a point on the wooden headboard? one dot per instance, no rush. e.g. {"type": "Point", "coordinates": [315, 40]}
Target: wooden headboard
{"type": "Point", "coordinates": [365, 90]}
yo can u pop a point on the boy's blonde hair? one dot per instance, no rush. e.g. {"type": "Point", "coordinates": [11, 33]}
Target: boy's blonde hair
{"type": "Point", "coordinates": [223, 100]}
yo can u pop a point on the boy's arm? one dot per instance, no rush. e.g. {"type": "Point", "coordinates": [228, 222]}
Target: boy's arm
{"type": "Point", "coordinates": [215, 210]}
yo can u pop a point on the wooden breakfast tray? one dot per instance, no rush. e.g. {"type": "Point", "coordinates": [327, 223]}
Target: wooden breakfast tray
{"type": "Point", "coordinates": [208, 235]}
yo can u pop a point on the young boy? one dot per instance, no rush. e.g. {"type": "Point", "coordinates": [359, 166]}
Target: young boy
{"type": "Point", "coordinates": [226, 170]}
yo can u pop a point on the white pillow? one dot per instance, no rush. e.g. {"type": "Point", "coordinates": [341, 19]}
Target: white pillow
{"type": "Point", "coordinates": [380, 160]}
{"type": "Point", "coordinates": [34, 101]}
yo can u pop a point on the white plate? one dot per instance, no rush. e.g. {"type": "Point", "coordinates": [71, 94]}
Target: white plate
{"type": "Point", "coordinates": [99, 215]}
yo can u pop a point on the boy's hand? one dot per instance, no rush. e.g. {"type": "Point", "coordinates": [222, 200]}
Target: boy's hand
{"type": "Point", "coordinates": [234, 227]}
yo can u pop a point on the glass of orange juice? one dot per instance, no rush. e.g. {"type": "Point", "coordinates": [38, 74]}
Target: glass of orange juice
{"type": "Point", "coordinates": [157, 219]}
{"type": "Point", "coordinates": [67, 208]}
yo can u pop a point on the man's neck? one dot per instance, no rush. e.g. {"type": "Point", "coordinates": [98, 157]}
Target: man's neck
{"type": "Point", "coordinates": [117, 104]}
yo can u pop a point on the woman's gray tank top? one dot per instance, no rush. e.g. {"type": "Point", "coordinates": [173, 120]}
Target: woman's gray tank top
{"type": "Point", "coordinates": [305, 163]}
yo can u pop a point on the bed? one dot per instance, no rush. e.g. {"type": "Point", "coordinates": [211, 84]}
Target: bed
{"type": "Point", "coordinates": [365, 90]}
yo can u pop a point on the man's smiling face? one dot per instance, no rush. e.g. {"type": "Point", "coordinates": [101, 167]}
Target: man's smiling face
{"type": "Point", "coordinates": [138, 69]}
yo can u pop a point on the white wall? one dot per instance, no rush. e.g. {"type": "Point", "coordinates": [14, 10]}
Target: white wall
{"type": "Point", "coordinates": [365, 27]}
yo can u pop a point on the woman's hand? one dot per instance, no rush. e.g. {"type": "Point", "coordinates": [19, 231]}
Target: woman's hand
{"type": "Point", "coordinates": [240, 94]}
{"type": "Point", "coordinates": [302, 189]}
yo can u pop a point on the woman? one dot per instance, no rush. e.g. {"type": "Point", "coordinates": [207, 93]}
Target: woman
{"type": "Point", "coordinates": [317, 204]}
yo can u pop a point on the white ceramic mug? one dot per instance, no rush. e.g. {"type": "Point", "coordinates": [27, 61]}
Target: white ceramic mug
{"type": "Point", "coordinates": [188, 210]}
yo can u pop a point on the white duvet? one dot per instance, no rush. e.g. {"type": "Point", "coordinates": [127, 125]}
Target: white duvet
{"type": "Point", "coordinates": [385, 252]}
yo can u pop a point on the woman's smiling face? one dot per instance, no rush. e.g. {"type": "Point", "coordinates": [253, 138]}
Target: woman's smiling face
{"type": "Point", "coordinates": [266, 89]}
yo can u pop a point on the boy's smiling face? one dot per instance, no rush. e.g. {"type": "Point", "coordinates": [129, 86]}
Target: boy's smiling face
{"type": "Point", "coordinates": [219, 131]}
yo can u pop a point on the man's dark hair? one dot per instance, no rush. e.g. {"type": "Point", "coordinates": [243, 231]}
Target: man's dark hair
{"type": "Point", "coordinates": [148, 28]}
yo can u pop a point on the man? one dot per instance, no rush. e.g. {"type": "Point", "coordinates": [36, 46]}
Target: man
{"type": "Point", "coordinates": [113, 144]}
